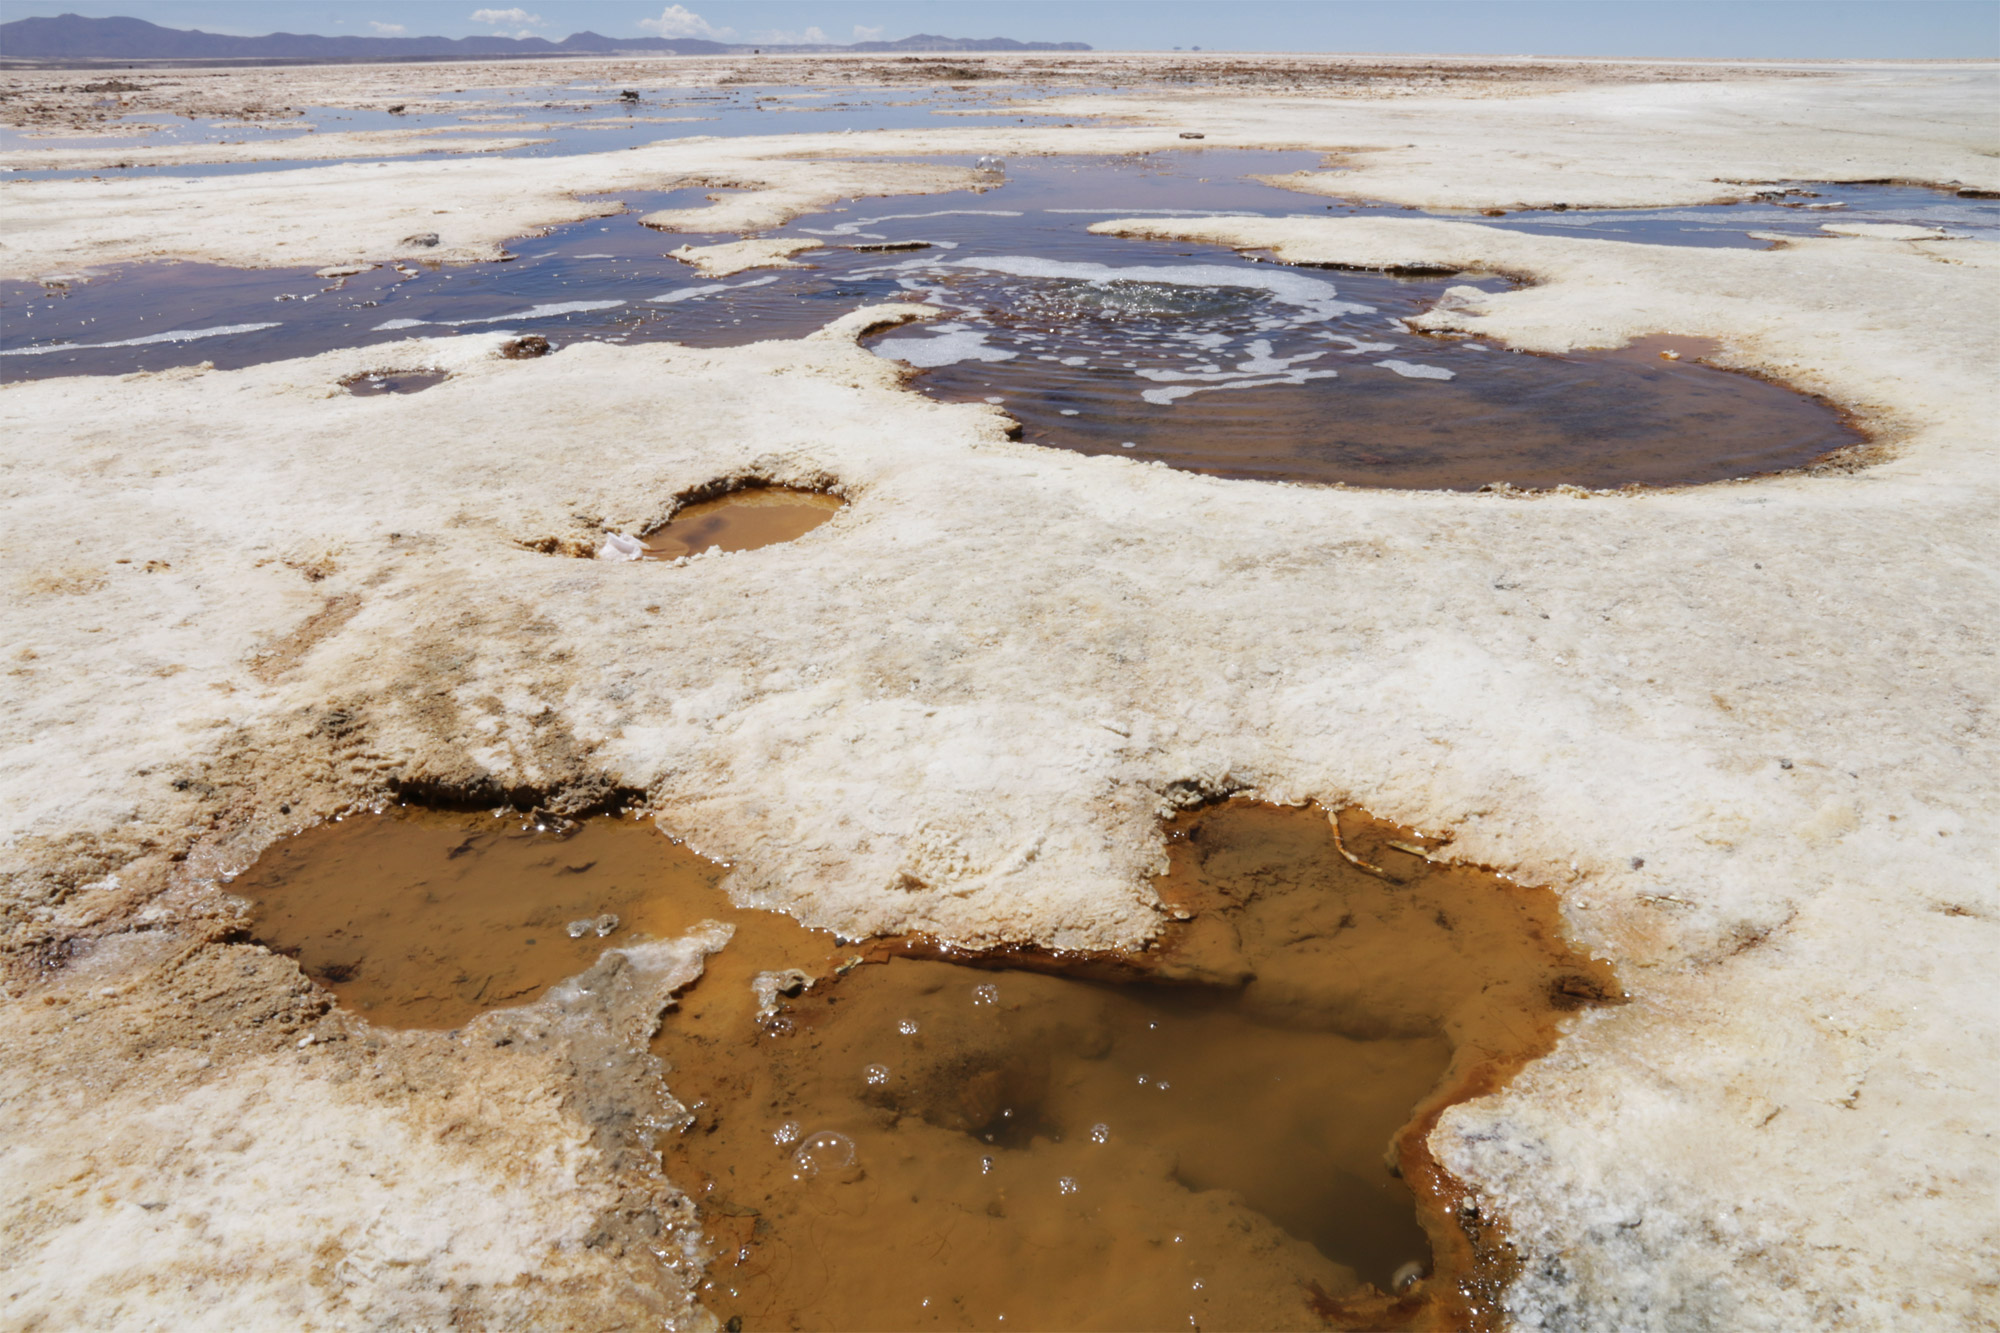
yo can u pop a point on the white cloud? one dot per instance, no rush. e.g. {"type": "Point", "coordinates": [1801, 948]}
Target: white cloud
{"type": "Point", "coordinates": [680, 21]}
{"type": "Point", "coordinates": [497, 16]}
{"type": "Point", "coordinates": [862, 34]}
{"type": "Point", "coordinates": [387, 29]}
{"type": "Point", "coordinates": [813, 36]}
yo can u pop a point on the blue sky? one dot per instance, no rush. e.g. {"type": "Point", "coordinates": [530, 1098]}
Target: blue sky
{"type": "Point", "coordinates": [1804, 29]}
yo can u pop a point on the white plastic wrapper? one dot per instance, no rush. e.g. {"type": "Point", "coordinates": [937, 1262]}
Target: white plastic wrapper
{"type": "Point", "coordinates": [617, 546]}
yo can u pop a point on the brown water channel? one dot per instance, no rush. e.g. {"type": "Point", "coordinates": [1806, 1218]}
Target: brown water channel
{"type": "Point", "coordinates": [1190, 355]}
{"type": "Point", "coordinates": [1225, 1131]}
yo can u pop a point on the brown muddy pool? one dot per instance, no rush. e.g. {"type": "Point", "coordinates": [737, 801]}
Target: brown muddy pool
{"type": "Point", "coordinates": [1225, 1131]}
{"type": "Point", "coordinates": [742, 520]}
{"type": "Point", "coordinates": [421, 918]}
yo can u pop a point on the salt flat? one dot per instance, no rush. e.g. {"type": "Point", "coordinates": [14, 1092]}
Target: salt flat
{"type": "Point", "coordinates": [1744, 729]}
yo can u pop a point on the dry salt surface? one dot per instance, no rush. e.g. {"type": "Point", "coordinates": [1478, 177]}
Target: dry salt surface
{"type": "Point", "coordinates": [1745, 730]}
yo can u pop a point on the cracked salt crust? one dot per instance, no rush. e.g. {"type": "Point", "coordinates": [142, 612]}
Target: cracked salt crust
{"type": "Point", "coordinates": [1742, 728]}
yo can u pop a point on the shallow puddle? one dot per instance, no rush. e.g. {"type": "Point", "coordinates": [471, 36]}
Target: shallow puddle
{"type": "Point", "coordinates": [1224, 1131]}
{"type": "Point", "coordinates": [424, 918]}
{"type": "Point", "coordinates": [741, 521]}
{"type": "Point", "coordinates": [395, 381]}
{"type": "Point", "coordinates": [1208, 1143]}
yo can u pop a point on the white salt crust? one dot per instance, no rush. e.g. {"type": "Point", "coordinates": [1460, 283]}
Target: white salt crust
{"type": "Point", "coordinates": [1742, 729]}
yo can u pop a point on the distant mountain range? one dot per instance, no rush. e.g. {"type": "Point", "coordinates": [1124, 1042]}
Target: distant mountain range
{"type": "Point", "coordinates": [74, 37]}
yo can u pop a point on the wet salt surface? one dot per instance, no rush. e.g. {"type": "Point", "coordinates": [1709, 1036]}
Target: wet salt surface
{"type": "Point", "coordinates": [569, 119]}
{"type": "Point", "coordinates": [891, 1135]}
{"type": "Point", "coordinates": [1795, 209]}
{"type": "Point", "coordinates": [1190, 355]}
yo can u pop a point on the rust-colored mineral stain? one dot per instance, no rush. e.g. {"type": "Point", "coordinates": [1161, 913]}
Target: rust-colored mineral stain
{"type": "Point", "coordinates": [917, 1143]}
{"type": "Point", "coordinates": [742, 521]}
{"type": "Point", "coordinates": [423, 918]}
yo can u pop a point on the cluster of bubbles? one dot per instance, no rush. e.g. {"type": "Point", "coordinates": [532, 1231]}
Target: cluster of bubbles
{"type": "Point", "coordinates": [875, 1075]}
{"type": "Point", "coordinates": [600, 926]}
{"type": "Point", "coordinates": [986, 993]}
{"type": "Point", "coordinates": [988, 162]}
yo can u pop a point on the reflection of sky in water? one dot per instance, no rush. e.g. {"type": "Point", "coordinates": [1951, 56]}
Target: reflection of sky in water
{"type": "Point", "coordinates": [1013, 264]}
{"type": "Point", "coordinates": [1793, 210]}
{"type": "Point", "coordinates": [575, 119]}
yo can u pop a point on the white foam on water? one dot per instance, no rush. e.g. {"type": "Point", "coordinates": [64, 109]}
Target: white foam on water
{"type": "Point", "coordinates": [1410, 370]}
{"type": "Point", "coordinates": [709, 289]}
{"type": "Point", "coordinates": [1354, 345]}
{"type": "Point", "coordinates": [402, 324]}
{"type": "Point", "coordinates": [944, 350]}
{"type": "Point", "coordinates": [900, 266]}
{"type": "Point", "coordinates": [1260, 362]}
{"type": "Point", "coordinates": [1147, 212]}
{"type": "Point", "coordinates": [1165, 397]}
{"type": "Point", "coordinates": [1315, 296]}
{"type": "Point", "coordinates": [171, 336]}
{"type": "Point", "coordinates": [538, 312]}
{"type": "Point", "coordinates": [854, 228]}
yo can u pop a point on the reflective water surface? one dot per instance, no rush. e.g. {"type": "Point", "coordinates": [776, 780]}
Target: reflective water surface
{"type": "Point", "coordinates": [1194, 356]}
{"type": "Point", "coordinates": [1225, 1131]}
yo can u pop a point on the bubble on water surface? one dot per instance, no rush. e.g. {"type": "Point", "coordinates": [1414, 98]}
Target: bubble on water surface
{"type": "Point", "coordinates": [908, 1027]}
{"type": "Point", "coordinates": [822, 1151]}
{"type": "Point", "coordinates": [786, 1133]}
{"type": "Point", "coordinates": [875, 1074]}
{"type": "Point", "coordinates": [1067, 1185]}
{"type": "Point", "coordinates": [1100, 1133]}
{"type": "Point", "coordinates": [986, 993]}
